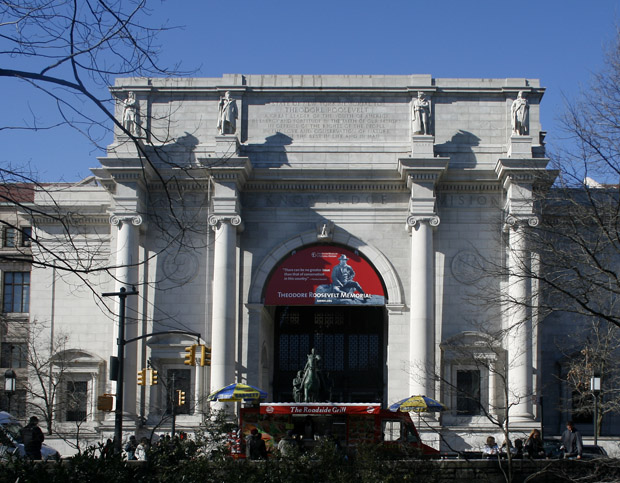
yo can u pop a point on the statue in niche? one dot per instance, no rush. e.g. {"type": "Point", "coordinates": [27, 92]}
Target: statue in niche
{"type": "Point", "coordinates": [519, 115]}
{"type": "Point", "coordinates": [131, 115]}
{"type": "Point", "coordinates": [421, 114]}
{"type": "Point", "coordinates": [227, 115]}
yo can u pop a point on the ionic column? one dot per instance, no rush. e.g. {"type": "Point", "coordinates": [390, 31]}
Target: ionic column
{"type": "Point", "coordinates": [126, 276]}
{"type": "Point", "coordinates": [224, 306]}
{"type": "Point", "coordinates": [519, 329]}
{"type": "Point", "coordinates": [422, 331]}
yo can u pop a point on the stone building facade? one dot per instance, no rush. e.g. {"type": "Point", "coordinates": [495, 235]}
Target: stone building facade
{"type": "Point", "coordinates": [240, 193]}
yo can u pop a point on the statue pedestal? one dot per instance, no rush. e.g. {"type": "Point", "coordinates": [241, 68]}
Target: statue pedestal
{"type": "Point", "coordinates": [226, 146]}
{"type": "Point", "coordinates": [422, 146]}
{"type": "Point", "coordinates": [520, 147]}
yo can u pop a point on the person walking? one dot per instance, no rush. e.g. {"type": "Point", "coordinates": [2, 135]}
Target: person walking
{"type": "Point", "coordinates": [572, 443]}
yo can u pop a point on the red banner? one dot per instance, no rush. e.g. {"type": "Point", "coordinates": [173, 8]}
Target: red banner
{"type": "Point", "coordinates": [317, 409]}
{"type": "Point", "coordinates": [324, 275]}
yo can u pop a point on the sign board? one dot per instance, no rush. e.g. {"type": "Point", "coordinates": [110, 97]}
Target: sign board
{"type": "Point", "coordinates": [324, 275]}
{"type": "Point", "coordinates": [318, 409]}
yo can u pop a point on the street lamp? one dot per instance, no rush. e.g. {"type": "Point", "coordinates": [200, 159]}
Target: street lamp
{"type": "Point", "coordinates": [595, 387]}
{"type": "Point", "coordinates": [10, 382]}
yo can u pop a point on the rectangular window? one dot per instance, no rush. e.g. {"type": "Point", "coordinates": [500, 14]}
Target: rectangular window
{"type": "Point", "coordinates": [468, 393]}
{"type": "Point", "coordinates": [16, 292]}
{"type": "Point", "coordinates": [13, 355]}
{"type": "Point", "coordinates": [76, 401]}
{"type": "Point", "coordinates": [10, 235]}
{"type": "Point", "coordinates": [26, 236]}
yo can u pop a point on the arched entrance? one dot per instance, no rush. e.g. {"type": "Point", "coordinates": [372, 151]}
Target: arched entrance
{"type": "Point", "coordinates": [350, 341]}
{"type": "Point", "coordinates": [331, 299]}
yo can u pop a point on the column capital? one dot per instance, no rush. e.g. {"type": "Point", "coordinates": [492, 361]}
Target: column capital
{"type": "Point", "coordinates": [134, 219]}
{"type": "Point", "coordinates": [413, 221]}
{"type": "Point", "coordinates": [216, 221]}
{"type": "Point", "coordinates": [520, 221]}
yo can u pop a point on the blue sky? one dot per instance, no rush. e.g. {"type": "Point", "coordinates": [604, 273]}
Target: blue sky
{"type": "Point", "coordinates": [559, 42]}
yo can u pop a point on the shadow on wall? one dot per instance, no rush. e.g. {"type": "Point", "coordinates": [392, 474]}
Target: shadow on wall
{"type": "Point", "coordinates": [459, 149]}
{"type": "Point", "coordinates": [272, 153]}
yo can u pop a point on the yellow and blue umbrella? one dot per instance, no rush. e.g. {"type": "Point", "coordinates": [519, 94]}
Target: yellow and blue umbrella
{"type": "Point", "coordinates": [237, 392]}
{"type": "Point", "coordinates": [418, 404]}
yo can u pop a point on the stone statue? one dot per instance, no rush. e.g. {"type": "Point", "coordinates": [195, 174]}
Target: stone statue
{"type": "Point", "coordinates": [519, 115]}
{"type": "Point", "coordinates": [311, 381]}
{"type": "Point", "coordinates": [131, 115]}
{"type": "Point", "coordinates": [421, 114]}
{"type": "Point", "coordinates": [297, 389]}
{"type": "Point", "coordinates": [227, 115]}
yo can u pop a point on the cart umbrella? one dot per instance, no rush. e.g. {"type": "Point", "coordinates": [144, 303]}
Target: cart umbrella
{"type": "Point", "coordinates": [237, 392]}
{"type": "Point", "coordinates": [418, 404]}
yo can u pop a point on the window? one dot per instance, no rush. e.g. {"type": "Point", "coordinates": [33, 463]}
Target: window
{"type": "Point", "coordinates": [13, 354]}
{"type": "Point", "coordinates": [16, 294]}
{"type": "Point", "coordinates": [10, 235]}
{"type": "Point", "coordinates": [76, 399]}
{"type": "Point", "coordinates": [26, 236]}
{"type": "Point", "coordinates": [391, 430]}
{"type": "Point", "coordinates": [468, 393]}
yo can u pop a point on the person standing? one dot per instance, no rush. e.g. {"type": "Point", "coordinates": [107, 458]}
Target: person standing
{"type": "Point", "coordinates": [490, 450]}
{"type": "Point", "coordinates": [256, 448]}
{"type": "Point", "coordinates": [534, 445]}
{"type": "Point", "coordinates": [130, 448]}
{"type": "Point", "coordinates": [33, 438]}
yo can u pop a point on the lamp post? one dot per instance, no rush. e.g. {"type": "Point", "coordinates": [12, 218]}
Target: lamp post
{"type": "Point", "coordinates": [10, 382]}
{"type": "Point", "coordinates": [595, 387]}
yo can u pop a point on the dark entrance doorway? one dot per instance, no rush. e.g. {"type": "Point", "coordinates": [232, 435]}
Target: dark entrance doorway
{"type": "Point", "coordinates": [349, 341]}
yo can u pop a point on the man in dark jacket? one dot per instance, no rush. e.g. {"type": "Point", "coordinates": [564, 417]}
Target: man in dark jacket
{"type": "Point", "coordinates": [33, 438]}
{"type": "Point", "coordinates": [256, 448]}
{"type": "Point", "coordinates": [572, 445]}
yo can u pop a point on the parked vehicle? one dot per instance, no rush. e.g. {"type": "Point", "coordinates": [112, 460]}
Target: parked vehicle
{"type": "Point", "coordinates": [11, 439]}
{"type": "Point", "coordinates": [591, 452]}
{"type": "Point", "coordinates": [348, 424]}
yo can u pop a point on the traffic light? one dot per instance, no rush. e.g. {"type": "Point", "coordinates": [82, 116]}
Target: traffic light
{"type": "Point", "coordinates": [190, 355]}
{"type": "Point", "coordinates": [205, 355]}
{"type": "Point", "coordinates": [142, 377]}
{"type": "Point", "coordinates": [180, 397]}
{"type": "Point", "coordinates": [152, 377]}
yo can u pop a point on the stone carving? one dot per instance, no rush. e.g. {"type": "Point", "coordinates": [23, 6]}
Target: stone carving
{"type": "Point", "coordinates": [135, 220]}
{"type": "Point", "coordinates": [325, 231]}
{"type": "Point", "coordinates": [421, 114]}
{"type": "Point", "coordinates": [181, 266]}
{"type": "Point", "coordinates": [519, 115]}
{"type": "Point", "coordinates": [131, 114]}
{"type": "Point", "coordinates": [467, 267]}
{"type": "Point", "coordinates": [227, 115]}
{"type": "Point", "coordinates": [412, 220]}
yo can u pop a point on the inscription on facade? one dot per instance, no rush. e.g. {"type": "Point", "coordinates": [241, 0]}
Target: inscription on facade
{"type": "Point", "coordinates": [330, 121]}
{"type": "Point", "coordinates": [272, 200]}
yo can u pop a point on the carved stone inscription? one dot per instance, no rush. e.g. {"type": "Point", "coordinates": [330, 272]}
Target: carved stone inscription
{"type": "Point", "coordinates": [330, 121]}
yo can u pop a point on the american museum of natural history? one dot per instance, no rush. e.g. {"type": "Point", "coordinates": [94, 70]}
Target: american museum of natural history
{"type": "Point", "coordinates": [377, 222]}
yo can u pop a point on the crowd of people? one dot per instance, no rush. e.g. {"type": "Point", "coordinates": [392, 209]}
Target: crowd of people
{"type": "Point", "coordinates": [534, 448]}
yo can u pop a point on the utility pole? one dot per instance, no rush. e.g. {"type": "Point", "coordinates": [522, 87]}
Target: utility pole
{"type": "Point", "coordinates": [120, 354]}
